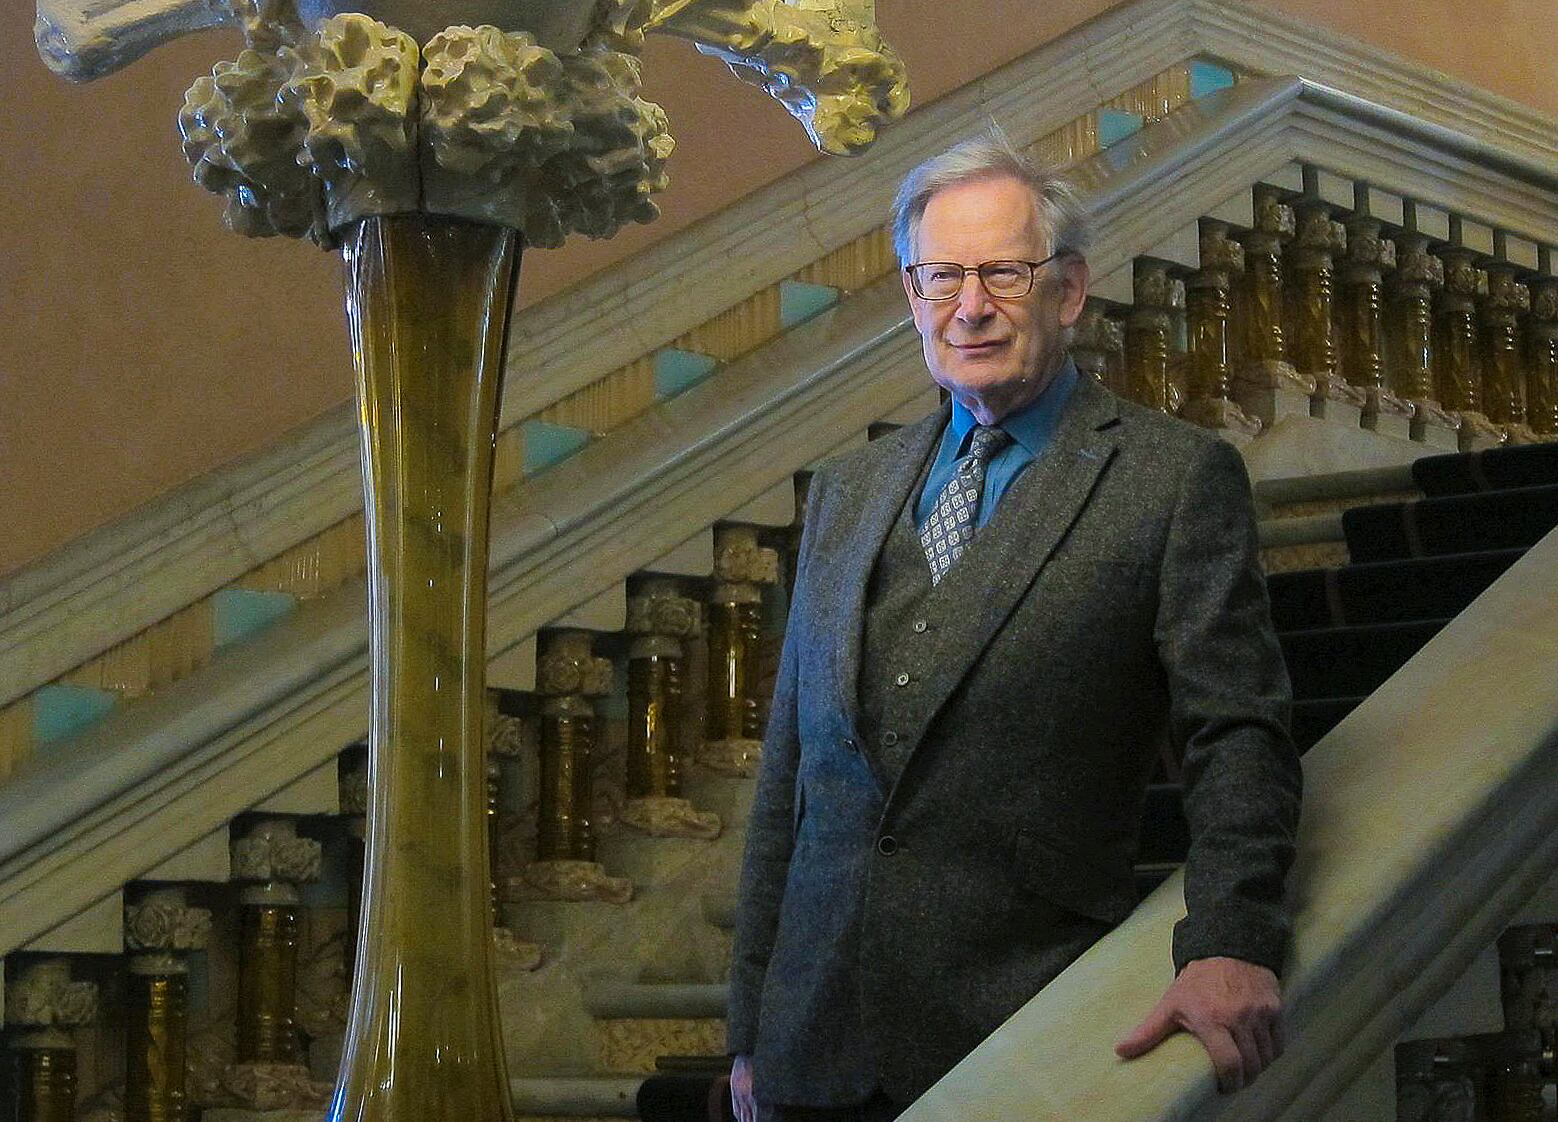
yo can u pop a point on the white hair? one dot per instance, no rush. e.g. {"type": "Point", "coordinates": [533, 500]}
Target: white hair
{"type": "Point", "coordinates": [990, 155]}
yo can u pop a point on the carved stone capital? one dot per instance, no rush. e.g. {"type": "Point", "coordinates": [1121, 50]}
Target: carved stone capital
{"type": "Point", "coordinates": [164, 921]}
{"type": "Point", "coordinates": [1462, 277]}
{"type": "Point", "coordinates": [506, 737]}
{"type": "Point", "coordinates": [42, 996]}
{"type": "Point", "coordinates": [1155, 289]}
{"type": "Point", "coordinates": [738, 559]}
{"type": "Point", "coordinates": [659, 610]}
{"type": "Point", "coordinates": [1506, 294]}
{"type": "Point", "coordinates": [1097, 332]}
{"type": "Point", "coordinates": [1319, 240]}
{"type": "Point", "coordinates": [272, 851]}
{"type": "Point", "coordinates": [1415, 265]}
{"type": "Point", "coordinates": [1274, 218]}
{"type": "Point", "coordinates": [1544, 301]}
{"type": "Point", "coordinates": [1368, 248]}
{"type": "Point", "coordinates": [1222, 258]}
{"type": "Point", "coordinates": [568, 667]}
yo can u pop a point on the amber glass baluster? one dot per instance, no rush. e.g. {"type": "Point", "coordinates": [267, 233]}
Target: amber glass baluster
{"type": "Point", "coordinates": [1542, 360]}
{"type": "Point", "coordinates": [1503, 354]}
{"type": "Point", "coordinates": [1457, 361]}
{"type": "Point", "coordinates": [159, 927]}
{"type": "Point", "coordinates": [733, 729]}
{"type": "Point", "coordinates": [1370, 258]}
{"type": "Point", "coordinates": [1310, 302]}
{"type": "Point", "coordinates": [1209, 400]}
{"type": "Point", "coordinates": [428, 299]}
{"type": "Point", "coordinates": [1419, 274]}
{"type": "Point", "coordinates": [1147, 337]}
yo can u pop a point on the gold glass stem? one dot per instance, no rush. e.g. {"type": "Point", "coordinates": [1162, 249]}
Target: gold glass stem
{"type": "Point", "coordinates": [156, 1038]}
{"type": "Point", "coordinates": [1413, 369]}
{"type": "Point", "coordinates": [494, 791]}
{"type": "Point", "coordinates": [267, 984]}
{"type": "Point", "coordinates": [734, 631]}
{"type": "Point", "coordinates": [1455, 356]}
{"type": "Point", "coordinates": [1261, 306]}
{"type": "Point", "coordinates": [428, 299]}
{"type": "Point", "coordinates": [1208, 333]}
{"type": "Point", "coordinates": [654, 703]}
{"type": "Point", "coordinates": [1314, 334]}
{"type": "Point", "coordinates": [563, 830]}
{"type": "Point", "coordinates": [44, 1084]}
{"type": "Point", "coordinates": [1147, 357]}
{"type": "Point", "coordinates": [1542, 378]}
{"type": "Point", "coordinates": [1503, 373]}
{"type": "Point", "coordinates": [1363, 337]}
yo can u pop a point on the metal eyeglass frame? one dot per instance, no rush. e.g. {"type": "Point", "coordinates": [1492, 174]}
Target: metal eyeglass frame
{"type": "Point", "coordinates": [978, 270]}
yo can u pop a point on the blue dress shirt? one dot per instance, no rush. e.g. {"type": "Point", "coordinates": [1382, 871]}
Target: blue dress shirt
{"type": "Point", "coordinates": [1031, 429]}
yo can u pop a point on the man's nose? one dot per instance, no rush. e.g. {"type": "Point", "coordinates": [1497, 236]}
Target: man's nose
{"type": "Point", "coordinates": [974, 304]}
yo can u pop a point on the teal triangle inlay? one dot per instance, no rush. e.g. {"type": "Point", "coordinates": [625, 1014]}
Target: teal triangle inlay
{"type": "Point", "coordinates": [546, 444]}
{"type": "Point", "coordinates": [1208, 77]}
{"type": "Point", "coordinates": [1114, 125]}
{"type": "Point", "coordinates": [677, 370]}
{"type": "Point", "coordinates": [799, 301]}
{"type": "Point", "coordinates": [61, 711]}
{"type": "Point", "coordinates": [239, 613]}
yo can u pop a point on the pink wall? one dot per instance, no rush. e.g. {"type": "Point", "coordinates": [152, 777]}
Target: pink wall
{"type": "Point", "coordinates": [143, 345]}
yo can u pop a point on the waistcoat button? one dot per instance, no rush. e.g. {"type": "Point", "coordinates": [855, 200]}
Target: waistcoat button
{"type": "Point", "coordinates": [889, 738]}
{"type": "Point", "coordinates": [887, 845]}
{"type": "Point", "coordinates": [902, 679]}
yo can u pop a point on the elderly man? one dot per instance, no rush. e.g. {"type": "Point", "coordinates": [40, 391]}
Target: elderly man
{"type": "Point", "coordinates": [997, 613]}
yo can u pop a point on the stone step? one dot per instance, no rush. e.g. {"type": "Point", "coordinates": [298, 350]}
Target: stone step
{"type": "Point", "coordinates": [589, 1097]}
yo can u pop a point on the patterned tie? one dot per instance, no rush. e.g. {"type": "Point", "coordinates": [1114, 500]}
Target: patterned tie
{"type": "Point", "coordinates": [950, 527]}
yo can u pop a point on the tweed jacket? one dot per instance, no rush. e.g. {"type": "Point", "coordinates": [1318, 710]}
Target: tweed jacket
{"type": "Point", "coordinates": [889, 920]}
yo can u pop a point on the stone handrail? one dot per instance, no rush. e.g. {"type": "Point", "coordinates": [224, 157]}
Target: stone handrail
{"type": "Point", "coordinates": [89, 814]}
{"type": "Point", "coordinates": [1430, 816]}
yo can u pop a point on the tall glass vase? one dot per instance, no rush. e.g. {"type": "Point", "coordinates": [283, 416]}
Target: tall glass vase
{"type": "Point", "coordinates": [428, 300]}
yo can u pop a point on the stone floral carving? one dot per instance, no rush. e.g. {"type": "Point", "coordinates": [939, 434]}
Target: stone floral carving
{"type": "Point", "coordinates": [568, 669]}
{"type": "Point", "coordinates": [662, 613]}
{"type": "Point", "coordinates": [275, 1087]}
{"type": "Point", "coordinates": [353, 789]}
{"type": "Point", "coordinates": [506, 736]}
{"type": "Point", "coordinates": [272, 851]}
{"type": "Point", "coordinates": [165, 925]}
{"type": "Point", "coordinates": [738, 559]}
{"type": "Point", "coordinates": [575, 880]}
{"type": "Point", "coordinates": [548, 144]}
{"type": "Point", "coordinates": [43, 996]}
{"type": "Point", "coordinates": [243, 143]}
{"type": "Point", "coordinates": [330, 115]}
{"type": "Point", "coordinates": [663, 816]}
{"type": "Point", "coordinates": [324, 990]}
{"type": "Point", "coordinates": [515, 952]}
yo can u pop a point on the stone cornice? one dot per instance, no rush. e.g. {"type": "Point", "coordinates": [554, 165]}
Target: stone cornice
{"type": "Point", "coordinates": [114, 582]}
{"type": "Point", "coordinates": [158, 775]}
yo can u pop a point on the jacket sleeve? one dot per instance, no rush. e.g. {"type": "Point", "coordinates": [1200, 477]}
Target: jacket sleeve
{"type": "Point", "coordinates": [1230, 705]}
{"type": "Point", "coordinates": [770, 827]}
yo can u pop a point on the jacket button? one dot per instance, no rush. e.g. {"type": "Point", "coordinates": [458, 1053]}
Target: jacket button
{"type": "Point", "coordinates": [889, 738]}
{"type": "Point", "coordinates": [919, 626]}
{"type": "Point", "coordinates": [902, 679]}
{"type": "Point", "coordinates": [887, 845]}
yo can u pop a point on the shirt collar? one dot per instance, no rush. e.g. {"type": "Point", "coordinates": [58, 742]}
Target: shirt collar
{"type": "Point", "coordinates": [1033, 424]}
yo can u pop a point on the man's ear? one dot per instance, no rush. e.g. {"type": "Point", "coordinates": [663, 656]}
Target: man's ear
{"type": "Point", "coordinates": [1074, 275]}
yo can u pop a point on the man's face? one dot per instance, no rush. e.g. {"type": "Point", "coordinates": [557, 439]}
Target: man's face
{"type": "Point", "coordinates": [993, 355]}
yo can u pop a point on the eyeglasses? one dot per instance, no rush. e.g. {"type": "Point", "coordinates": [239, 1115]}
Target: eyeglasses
{"type": "Point", "coordinates": [1006, 280]}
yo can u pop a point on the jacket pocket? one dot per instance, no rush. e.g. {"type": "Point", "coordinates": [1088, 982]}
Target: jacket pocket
{"type": "Point", "coordinates": [1077, 883]}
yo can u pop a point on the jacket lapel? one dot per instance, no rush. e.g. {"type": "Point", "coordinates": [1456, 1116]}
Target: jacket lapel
{"type": "Point", "coordinates": [877, 511]}
{"type": "Point", "coordinates": [1004, 560]}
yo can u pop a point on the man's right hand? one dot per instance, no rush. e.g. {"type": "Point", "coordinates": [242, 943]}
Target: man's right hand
{"type": "Point", "coordinates": [741, 1100]}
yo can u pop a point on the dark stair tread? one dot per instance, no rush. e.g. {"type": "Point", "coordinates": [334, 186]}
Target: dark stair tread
{"type": "Point", "coordinates": [666, 1097]}
{"type": "Point", "coordinates": [1490, 520]}
{"type": "Point", "coordinates": [1314, 717]}
{"type": "Point", "coordinates": [1395, 591]}
{"type": "Point", "coordinates": [1530, 465]}
{"type": "Point", "coordinates": [1333, 662]}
